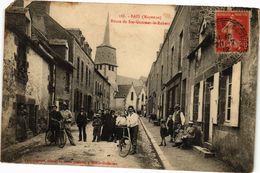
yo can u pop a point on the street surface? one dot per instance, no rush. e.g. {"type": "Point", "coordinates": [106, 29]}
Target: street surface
{"type": "Point", "coordinates": [93, 153]}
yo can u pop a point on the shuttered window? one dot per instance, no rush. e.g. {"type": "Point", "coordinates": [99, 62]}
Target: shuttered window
{"type": "Point", "coordinates": [196, 101]}
{"type": "Point", "coordinates": [229, 96]}
{"type": "Point", "coordinates": [215, 96]}
{"type": "Point", "coordinates": [235, 94]}
{"type": "Point", "coordinates": [191, 102]}
{"type": "Point", "coordinates": [200, 109]}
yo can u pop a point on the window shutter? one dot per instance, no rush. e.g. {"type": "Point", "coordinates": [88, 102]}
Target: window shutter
{"type": "Point", "coordinates": [200, 101]}
{"type": "Point", "coordinates": [215, 95]}
{"type": "Point", "coordinates": [235, 94]}
{"type": "Point", "coordinates": [191, 102]}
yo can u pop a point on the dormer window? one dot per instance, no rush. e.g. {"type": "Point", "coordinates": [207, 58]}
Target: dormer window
{"type": "Point", "coordinates": [203, 28]}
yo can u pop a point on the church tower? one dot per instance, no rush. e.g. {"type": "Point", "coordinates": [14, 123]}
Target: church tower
{"type": "Point", "coordinates": [106, 63]}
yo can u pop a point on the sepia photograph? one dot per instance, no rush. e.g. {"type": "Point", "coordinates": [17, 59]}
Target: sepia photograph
{"type": "Point", "coordinates": [124, 85]}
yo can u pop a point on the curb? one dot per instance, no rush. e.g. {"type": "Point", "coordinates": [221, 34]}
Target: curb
{"type": "Point", "coordinates": [13, 152]}
{"type": "Point", "coordinates": [164, 161]}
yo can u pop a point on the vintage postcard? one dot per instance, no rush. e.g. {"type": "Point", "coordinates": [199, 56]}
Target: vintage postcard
{"type": "Point", "coordinates": [130, 86]}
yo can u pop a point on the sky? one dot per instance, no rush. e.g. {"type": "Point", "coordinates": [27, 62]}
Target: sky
{"type": "Point", "coordinates": [136, 44]}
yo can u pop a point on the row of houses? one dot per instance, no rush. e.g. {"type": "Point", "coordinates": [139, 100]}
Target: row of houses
{"type": "Point", "coordinates": [217, 91]}
{"type": "Point", "coordinates": [45, 64]}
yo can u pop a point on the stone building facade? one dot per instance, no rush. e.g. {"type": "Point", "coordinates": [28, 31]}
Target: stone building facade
{"type": "Point", "coordinates": [101, 92]}
{"type": "Point", "coordinates": [72, 46]}
{"type": "Point", "coordinates": [212, 89]}
{"type": "Point", "coordinates": [44, 64]}
{"type": "Point", "coordinates": [61, 42]}
{"type": "Point", "coordinates": [83, 76]}
{"type": "Point", "coordinates": [26, 83]}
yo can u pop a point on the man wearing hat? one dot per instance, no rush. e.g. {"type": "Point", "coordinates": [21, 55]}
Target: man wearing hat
{"type": "Point", "coordinates": [67, 115]}
{"type": "Point", "coordinates": [81, 123]}
{"type": "Point", "coordinates": [178, 119]}
{"type": "Point", "coordinates": [54, 118]}
{"type": "Point", "coordinates": [189, 136]}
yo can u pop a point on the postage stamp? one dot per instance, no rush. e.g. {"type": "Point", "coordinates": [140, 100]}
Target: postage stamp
{"type": "Point", "coordinates": [232, 31]}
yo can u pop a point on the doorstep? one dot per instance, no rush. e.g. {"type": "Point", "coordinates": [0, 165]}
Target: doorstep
{"type": "Point", "coordinates": [206, 153]}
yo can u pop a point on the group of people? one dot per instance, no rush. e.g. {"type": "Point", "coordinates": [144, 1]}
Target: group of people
{"type": "Point", "coordinates": [174, 127]}
{"type": "Point", "coordinates": [106, 124]}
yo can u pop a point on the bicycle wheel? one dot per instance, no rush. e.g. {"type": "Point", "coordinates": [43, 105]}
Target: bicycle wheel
{"type": "Point", "coordinates": [124, 146]}
{"type": "Point", "coordinates": [62, 139]}
{"type": "Point", "coordinates": [48, 137]}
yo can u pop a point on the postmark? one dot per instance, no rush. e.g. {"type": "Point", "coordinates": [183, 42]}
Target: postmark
{"type": "Point", "coordinates": [232, 31]}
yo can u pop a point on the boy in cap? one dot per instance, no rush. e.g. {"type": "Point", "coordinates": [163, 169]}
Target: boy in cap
{"type": "Point", "coordinates": [97, 124]}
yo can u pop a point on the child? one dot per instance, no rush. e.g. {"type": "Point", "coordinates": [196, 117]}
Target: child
{"type": "Point", "coordinates": [163, 132]}
{"type": "Point", "coordinates": [97, 123]}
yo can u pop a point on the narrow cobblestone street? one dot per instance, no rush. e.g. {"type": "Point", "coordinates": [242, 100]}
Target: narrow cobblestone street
{"type": "Point", "coordinates": [93, 153]}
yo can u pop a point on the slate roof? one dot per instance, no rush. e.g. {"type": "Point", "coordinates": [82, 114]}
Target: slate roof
{"type": "Point", "coordinates": [105, 55]}
{"type": "Point", "coordinates": [49, 27]}
{"type": "Point", "coordinates": [138, 89]}
{"type": "Point", "coordinates": [123, 91]}
{"type": "Point", "coordinates": [123, 80]}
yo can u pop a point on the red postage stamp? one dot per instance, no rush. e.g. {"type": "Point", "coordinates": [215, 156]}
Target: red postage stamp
{"type": "Point", "coordinates": [232, 31]}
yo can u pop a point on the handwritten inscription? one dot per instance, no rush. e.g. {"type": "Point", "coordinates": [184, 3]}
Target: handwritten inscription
{"type": "Point", "coordinates": [142, 19]}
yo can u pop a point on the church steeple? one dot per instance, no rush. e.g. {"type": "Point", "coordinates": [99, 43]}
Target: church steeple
{"type": "Point", "coordinates": [106, 40]}
{"type": "Point", "coordinates": [106, 53]}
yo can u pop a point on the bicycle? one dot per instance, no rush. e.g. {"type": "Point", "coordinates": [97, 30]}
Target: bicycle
{"type": "Point", "coordinates": [61, 138]}
{"type": "Point", "coordinates": [125, 143]}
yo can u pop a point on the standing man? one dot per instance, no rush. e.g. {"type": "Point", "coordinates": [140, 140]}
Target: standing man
{"type": "Point", "coordinates": [81, 123]}
{"type": "Point", "coordinates": [67, 115]}
{"type": "Point", "coordinates": [178, 119]}
{"type": "Point", "coordinates": [54, 118]}
{"type": "Point", "coordinates": [132, 123]}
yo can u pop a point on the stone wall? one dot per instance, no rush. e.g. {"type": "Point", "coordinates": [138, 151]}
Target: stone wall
{"type": "Point", "coordinates": [9, 90]}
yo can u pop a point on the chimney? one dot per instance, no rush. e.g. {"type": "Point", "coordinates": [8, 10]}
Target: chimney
{"type": "Point", "coordinates": [18, 3]}
{"type": "Point", "coordinates": [40, 6]}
